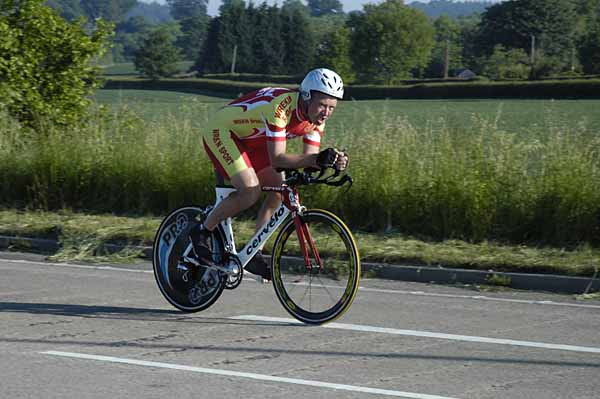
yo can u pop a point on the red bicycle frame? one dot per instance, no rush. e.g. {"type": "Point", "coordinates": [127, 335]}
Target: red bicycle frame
{"type": "Point", "coordinates": [291, 200]}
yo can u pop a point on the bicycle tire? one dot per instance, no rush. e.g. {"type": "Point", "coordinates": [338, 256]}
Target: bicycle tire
{"type": "Point", "coordinates": [201, 287]}
{"type": "Point", "coordinates": [340, 275]}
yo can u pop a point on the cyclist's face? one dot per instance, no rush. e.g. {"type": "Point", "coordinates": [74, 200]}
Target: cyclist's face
{"type": "Point", "coordinates": [320, 107]}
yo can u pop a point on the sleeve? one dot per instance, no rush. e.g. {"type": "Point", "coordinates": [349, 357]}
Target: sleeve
{"type": "Point", "coordinates": [277, 120]}
{"type": "Point", "coordinates": [314, 137]}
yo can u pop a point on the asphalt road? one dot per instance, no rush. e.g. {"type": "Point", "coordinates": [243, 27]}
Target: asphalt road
{"type": "Point", "coordinates": [85, 331]}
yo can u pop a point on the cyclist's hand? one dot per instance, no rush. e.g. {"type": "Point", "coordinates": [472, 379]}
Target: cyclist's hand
{"type": "Point", "coordinates": [342, 161]}
{"type": "Point", "coordinates": [327, 158]}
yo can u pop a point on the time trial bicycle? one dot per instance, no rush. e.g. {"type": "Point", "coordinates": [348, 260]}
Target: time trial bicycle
{"type": "Point", "coordinates": [315, 264]}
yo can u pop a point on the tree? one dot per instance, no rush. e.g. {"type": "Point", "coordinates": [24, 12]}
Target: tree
{"type": "Point", "coordinates": [129, 35]}
{"type": "Point", "coordinates": [453, 9]}
{"type": "Point", "coordinates": [268, 44]}
{"type": "Point", "coordinates": [109, 10]}
{"type": "Point", "coordinates": [590, 49]}
{"type": "Point", "coordinates": [158, 56]}
{"type": "Point", "coordinates": [299, 42]}
{"type": "Point", "coordinates": [447, 52]}
{"type": "Point", "coordinates": [507, 63]}
{"type": "Point", "coordinates": [468, 36]}
{"type": "Point", "coordinates": [236, 36]}
{"type": "Point", "coordinates": [290, 5]}
{"type": "Point", "coordinates": [68, 9]}
{"type": "Point", "coordinates": [326, 25]}
{"type": "Point", "coordinates": [323, 7]}
{"type": "Point", "coordinates": [154, 13]}
{"type": "Point", "coordinates": [182, 9]}
{"type": "Point", "coordinates": [193, 35]}
{"type": "Point", "coordinates": [45, 63]}
{"type": "Point", "coordinates": [550, 24]}
{"type": "Point", "coordinates": [334, 53]}
{"type": "Point", "coordinates": [265, 40]}
{"type": "Point", "coordinates": [389, 40]}
{"type": "Point", "coordinates": [209, 59]}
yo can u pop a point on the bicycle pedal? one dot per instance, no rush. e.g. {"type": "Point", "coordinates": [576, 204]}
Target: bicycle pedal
{"type": "Point", "coordinates": [256, 278]}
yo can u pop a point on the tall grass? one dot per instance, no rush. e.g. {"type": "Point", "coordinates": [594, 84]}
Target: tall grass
{"type": "Point", "coordinates": [438, 181]}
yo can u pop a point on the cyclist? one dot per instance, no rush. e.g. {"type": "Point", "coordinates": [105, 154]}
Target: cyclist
{"type": "Point", "coordinates": [246, 141]}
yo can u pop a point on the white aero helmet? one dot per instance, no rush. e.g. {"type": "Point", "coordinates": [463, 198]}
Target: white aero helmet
{"type": "Point", "coordinates": [323, 80]}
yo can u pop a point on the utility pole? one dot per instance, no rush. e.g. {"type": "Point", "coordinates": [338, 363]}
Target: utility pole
{"type": "Point", "coordinates": [532, 58]}
{"type": "Point", "coordinates": [233, 60]}
{"type": "Point", "coordinates": [447, 59]}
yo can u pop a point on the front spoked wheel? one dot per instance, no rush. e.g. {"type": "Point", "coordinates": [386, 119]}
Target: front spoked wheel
{"type": "Point", "coordinates": [325, 290]}
{"type": "Point", "coordinates": [185, 285]}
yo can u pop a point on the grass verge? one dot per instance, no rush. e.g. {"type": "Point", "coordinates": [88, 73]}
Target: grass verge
{"type": "Point", "coordinates": [82, 237]}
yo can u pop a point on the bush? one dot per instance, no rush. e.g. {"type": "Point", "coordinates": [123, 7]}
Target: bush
{"type": "Point", "coordinates": [506, 64]}
{"type": "Point", "coordinates": [157, 57]}
{"type": "Point", "coordinates": [442, 182]}
{"type": "Point", "coordinates": [45, 71]}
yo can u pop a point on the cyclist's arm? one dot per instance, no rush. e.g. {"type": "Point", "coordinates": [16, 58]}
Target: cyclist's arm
{"type": "Point", "coordinates": [280, 159]}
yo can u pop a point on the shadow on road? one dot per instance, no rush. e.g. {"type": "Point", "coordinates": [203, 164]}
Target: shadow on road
{"type": "Point", "coordinates": [162, 315]}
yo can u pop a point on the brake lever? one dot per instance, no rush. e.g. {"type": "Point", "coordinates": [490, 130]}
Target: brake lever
{"type": "Point", "coordinates": [345, 179]}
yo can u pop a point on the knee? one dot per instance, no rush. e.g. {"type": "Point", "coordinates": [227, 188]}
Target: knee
{"type": "Point", "coordinates": [274, 199]}
{"type": "Point", "coordinates": [249, 195]}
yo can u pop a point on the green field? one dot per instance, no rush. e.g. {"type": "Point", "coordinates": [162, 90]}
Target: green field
{"type": "Point", "coordinates": [514, 116]}
{"type": "Point", "coordinates": [513, 171]}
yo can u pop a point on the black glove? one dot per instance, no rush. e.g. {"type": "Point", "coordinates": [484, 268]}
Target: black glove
{"type": "Point", "coordinates": [327, 158]}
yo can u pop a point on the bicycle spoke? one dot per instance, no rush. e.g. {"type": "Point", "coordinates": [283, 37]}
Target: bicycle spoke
{"type": "Point", "coordinates": [329, 288]}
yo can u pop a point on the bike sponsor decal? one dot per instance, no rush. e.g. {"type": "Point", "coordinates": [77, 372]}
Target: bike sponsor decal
{"type": "Point", "coordinates": [167, 241]}
{"type": "Point", "coordinates": [293, 200]}
{"type": "Point", "coordinates": [173, 231]}
{"type": "Point", "coordinates": [259, 238]}
{"type": "Point", "coordinates": [291, 304]}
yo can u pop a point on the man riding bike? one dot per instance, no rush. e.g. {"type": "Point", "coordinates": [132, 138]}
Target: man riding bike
{"type": "Point", "coordinates": [246, 141]}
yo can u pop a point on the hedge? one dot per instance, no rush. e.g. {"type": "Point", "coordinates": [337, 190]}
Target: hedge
{"type": "Point", "coordinates": [518, 89]}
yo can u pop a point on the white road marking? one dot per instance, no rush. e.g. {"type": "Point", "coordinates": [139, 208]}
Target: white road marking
{"type": "Point", "coordinates": [375, 290]}
{"type": "Point", "coordinates": [428, 334]}
{"type": "Point", "coordinates": [478, 297]}
{"type": "Point", "coordinates": [457, 296]}
{"type": "Point", "coordinates": [261, 377]}
{"type": "Point", "coordinates": [73, 266]}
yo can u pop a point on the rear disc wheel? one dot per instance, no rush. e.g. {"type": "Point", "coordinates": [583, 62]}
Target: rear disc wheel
{"type": "Point", "coordinates": [188, 287]}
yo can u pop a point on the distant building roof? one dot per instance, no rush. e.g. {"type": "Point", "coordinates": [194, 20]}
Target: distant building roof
{"type": "Point", "coordinates": [465, 73]}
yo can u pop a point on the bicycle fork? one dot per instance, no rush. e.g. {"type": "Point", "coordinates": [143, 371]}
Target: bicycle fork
{"type": "Point", "coordinates": [304, 237]}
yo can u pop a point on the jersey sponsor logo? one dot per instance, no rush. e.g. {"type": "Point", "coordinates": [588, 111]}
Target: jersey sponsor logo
{"type": "Point", "coordinates": [221, 148]}
{"type": "Point", "coordinates": [281, 112]}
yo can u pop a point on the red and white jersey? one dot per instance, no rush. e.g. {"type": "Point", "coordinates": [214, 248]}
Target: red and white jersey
{"type": "Point", "coordinates": [268, 114]}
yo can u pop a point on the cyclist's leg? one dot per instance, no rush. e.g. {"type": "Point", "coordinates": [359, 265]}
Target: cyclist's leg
{"type": "Point", "coordinates": [267, 176]}
{"type": "Point", "coordinates": [247, 193]}
{"type": "Point", "coordinates": [232, 162]}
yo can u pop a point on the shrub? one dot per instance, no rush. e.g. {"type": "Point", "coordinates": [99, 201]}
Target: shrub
{"type": "Point", "coordinates": [45, 70]}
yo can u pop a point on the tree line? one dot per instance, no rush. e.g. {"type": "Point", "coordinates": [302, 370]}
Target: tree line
{"type": "Point", "coordinates": [389, 42]}
{"type": "Point", "coordinates": [384, 43]}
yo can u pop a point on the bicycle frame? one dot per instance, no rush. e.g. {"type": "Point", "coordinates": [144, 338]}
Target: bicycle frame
{"type": "Point", "coordinates": [290, 204]}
